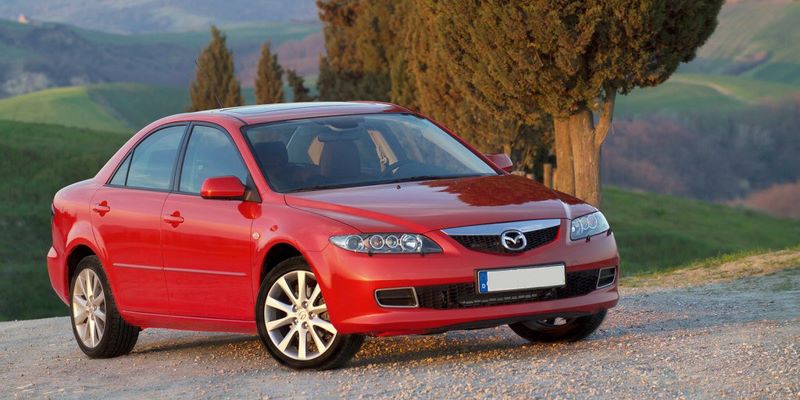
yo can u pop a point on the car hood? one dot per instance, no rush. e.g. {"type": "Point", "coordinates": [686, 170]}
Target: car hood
{"type": "Point", "coordinates": [438, 204]}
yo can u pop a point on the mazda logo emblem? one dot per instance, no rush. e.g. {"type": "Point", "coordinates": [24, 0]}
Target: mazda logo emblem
{"type": "Point", "coordinates": [513, 240]}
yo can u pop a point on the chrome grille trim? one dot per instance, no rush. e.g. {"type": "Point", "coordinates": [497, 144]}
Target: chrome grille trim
{"type": "Point", "coordinates": [497, 229]}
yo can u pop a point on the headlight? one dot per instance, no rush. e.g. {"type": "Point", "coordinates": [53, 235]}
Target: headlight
{"type": "Point", "coordinates": [391, 243]}
{"type": "Point", "coordinates": [588, 225]}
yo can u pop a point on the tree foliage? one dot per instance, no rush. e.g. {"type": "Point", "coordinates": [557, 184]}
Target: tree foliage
{"type": "Point", "coordinates": [215, 84]}
{"type": "Point", "coordinates": [569, 58]}
{"type": "Point", "coordinates": [269, 77]}
{"type": "Point", "coordinates": [299, 90]}
{"type": "Point", "coordinates": [358, 41]}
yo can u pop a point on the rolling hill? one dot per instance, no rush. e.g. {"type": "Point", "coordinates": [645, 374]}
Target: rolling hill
{"type": "Point", "coordinates": [43, 55]}
{"type": "Point", "coordinates": [149, 16]}
{"type": "Point", "coordinates": [110, 107]}
{"type": "Point", "coordinates": [654, 232]}
{"type": "Point", "coordinates": [753, 56]}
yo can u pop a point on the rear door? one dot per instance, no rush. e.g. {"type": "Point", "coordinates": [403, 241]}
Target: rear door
{"type": "Point", "coordinates": [206, 243]}
{"type": "Point", "coordinates": [127, 220]}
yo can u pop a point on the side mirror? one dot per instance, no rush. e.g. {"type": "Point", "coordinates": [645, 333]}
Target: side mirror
{"type": "Point", "coordinates": [502, 161]}
{"type": "Point", "coordinates": [223, 188]}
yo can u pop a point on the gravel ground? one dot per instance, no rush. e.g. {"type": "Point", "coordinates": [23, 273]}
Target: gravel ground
{"type": "Point", "coordinates": [739, 339]}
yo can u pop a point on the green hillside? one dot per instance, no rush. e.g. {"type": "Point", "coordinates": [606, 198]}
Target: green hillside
{"type": "Point", "coordinates": [109, 107]}
{"type": "Point", "coordinates": [689, 93]}
{"type": "Point", "coordinates": [656, 232]}
{"type": "Point", "coordinates": [756, 39]}
{"type": "Point", "coordinates": [35, 161]}
{"type": "Point", "coordinates": [137, 105]}
{"type": "Point", "coordinates": [653, 232]}
{"type": "Point", "coordinates": [69, 106]}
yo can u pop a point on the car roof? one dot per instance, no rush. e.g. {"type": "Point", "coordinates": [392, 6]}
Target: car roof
{"type": "Point", "coordinates": [264, 113]}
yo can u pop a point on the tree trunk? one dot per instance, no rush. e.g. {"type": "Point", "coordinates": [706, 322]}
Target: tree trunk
{"type": "Point", "coordinates": [547, 175]}
{"type": "Point", "coordinates": [586, 157]}
{"type": "Point", "coordinates": [564, 174]}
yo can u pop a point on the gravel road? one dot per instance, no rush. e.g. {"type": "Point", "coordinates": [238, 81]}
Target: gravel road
{"type": "Point", "coordinates": [732, 340]}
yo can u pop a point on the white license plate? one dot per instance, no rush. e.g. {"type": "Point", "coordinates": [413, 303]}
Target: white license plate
{"type": "Point", "coordinates": [503, 280]}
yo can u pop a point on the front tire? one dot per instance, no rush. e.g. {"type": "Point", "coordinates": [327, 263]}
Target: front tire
{"type": "Point", "coordinates": [293, 321]}
{"type": "Point", "coordinates": [96, 323]}
{"type": "Point", "coordinates": [559, 329]}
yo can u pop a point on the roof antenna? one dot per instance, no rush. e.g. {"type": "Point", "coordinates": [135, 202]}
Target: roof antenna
{"type": "Point", "coordinates": [216, 97]}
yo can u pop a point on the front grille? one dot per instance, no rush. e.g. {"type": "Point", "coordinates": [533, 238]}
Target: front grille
{"type": "Point", "coordinates": [464, 295]}
{"type": "Point", "coordinates": [491, 243]}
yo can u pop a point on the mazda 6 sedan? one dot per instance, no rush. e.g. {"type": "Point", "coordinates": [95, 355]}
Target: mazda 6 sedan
{"type": "Point", "coordinates": [315, 225]}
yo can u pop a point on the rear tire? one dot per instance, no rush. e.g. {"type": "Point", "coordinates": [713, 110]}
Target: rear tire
{"type": "Point", "coordinates": [96, 323]}
{"type": "Point", "coordinates": [293, 323]}
{"type": "Point", "coordinates": [559, 329]}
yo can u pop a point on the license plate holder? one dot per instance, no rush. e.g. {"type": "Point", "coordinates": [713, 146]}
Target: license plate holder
{"type": "Point", "coordinates": [520, 278]}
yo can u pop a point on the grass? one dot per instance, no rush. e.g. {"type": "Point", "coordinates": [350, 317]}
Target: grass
{"type": "Point", "coordinates": [654, 233]}
{"type": "Point", "coordinates": [657, 232]}
{"type": "Point", "coordinates": [35, 161]}
{"type": "Point", "coordinates": [691, 93]}
{"type": "Point", "coordinates": [747, 28]}
{"type": "Point", "coordinates": [68, 106]}
{"type": "Point", "coordinates": [137, 105]}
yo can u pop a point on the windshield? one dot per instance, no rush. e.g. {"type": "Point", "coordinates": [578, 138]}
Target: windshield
{"type": "Point", "coordinates": [358, 150]}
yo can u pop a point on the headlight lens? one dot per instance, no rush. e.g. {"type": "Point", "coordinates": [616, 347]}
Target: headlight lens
{"type": "Point", "coordinates": [588, 225]}
{"type": "Point", "coordinates": [389, 243]}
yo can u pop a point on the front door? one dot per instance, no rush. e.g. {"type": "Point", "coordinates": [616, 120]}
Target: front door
{"type": "Point", "coordinates": [126, 215]}
{"type": "Point", "coordinates": [207, 243]}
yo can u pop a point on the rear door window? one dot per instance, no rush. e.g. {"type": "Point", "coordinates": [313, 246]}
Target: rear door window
{"type": "Point", "coordinates": [153, 160]}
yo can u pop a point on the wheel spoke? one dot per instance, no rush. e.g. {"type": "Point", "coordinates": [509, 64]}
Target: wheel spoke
{"type": "Point", "coordinates": [325, 325]}
{"type": "Point", "coordinates": [92, 332]}
{"type": "Point", "coordinates": [314, 294]}
{"type": "Point", "coordinates": [277, 304]}
{"type": "Point", "coordinates": [99, 299]}
{"type": "Point", "coordinates": [89, 284]}
{"type": "Point", "coordinates": [318, 309]}
{"type": "Point", "coordinates": [302, 343]}
{"type": "Point", "coordinates": [83, 329]}
{"type": "Point", "coordinates": [80, 289]}
{"type": "Point", "coordinates": [286, 290]}
{"type": "Point", "coordinates": [321, 347]}
{"type": "Point", "coordinates": [99, 314]}
{"type": "Point", "coordinates": [272, 325]}
{"type": "Point", "coordinates": [286, 339]}
{"type": "Point", "coordinates": [81, 316]}
{"type": "Point", "coordinates": [301, 286]}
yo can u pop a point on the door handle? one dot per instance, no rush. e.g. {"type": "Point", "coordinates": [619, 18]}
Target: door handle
{"type": "Point", "coordinates": [174, 218]}
{"type": "Point", "coordinates": [101, 208]}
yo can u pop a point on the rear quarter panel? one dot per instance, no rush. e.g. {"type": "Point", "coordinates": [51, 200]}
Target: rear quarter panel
{"type": "Point", "coordinates": [71, 227]}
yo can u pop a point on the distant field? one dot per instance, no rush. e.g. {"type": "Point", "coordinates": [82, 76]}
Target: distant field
{"type": "Point", "coordinates": [690, 93]}
{"type": "Point", "coordinates": [277, 32]}
{"type": "Point", "coordinates": [35, 161]}
{"type": "Point", "coordinates": [113, 107]}
{"type": "Point", "coordinates": [117, 107]}
{"type": "Point", "coordinates": [70, 106]}
{"type": "Point", "coordinates": [654, 232]}
{"type": "Point", "coordinates": [756, 39]}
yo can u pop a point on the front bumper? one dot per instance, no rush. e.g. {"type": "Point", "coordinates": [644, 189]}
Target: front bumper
{"type": "Point", "coordinates": [349, 281]}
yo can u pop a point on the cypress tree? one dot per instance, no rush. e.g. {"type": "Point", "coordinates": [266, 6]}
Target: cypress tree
{"type": "Point", "coordinates": [360, 42]}
{"type": "Point", "coordinates": [269, 84]}
{"type": "Point", "coordinates": [299, 89]}
{"type": "Point", "coordinates": [569, 58]}
{"type": "Point", "coordinates": [215, 84]}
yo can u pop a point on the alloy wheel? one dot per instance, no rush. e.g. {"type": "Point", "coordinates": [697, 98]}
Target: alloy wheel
{"type": "Point", "coordinates": [296, 317]}
{"type": "Point", "coordinates": [89, 308]}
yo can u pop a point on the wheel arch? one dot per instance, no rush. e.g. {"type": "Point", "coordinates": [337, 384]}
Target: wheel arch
{"type": "Point", "coordinates": [277, 253]}
{"type": "Point", "coordinates": [75, 254]}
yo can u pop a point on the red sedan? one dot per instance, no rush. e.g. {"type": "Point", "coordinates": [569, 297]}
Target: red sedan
{"type": "Point", "coordinates": [315, 224]}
